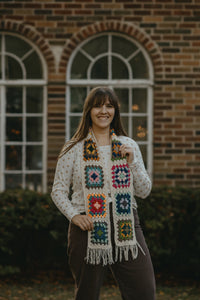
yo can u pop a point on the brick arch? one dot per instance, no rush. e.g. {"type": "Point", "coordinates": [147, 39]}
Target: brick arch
{"type": "Point", "coordinates": [129, 29]}
{"type": "Point", "coordinates": [31, 34]}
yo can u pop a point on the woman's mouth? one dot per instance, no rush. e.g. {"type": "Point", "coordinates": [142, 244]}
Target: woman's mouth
{"type": "Point", "coordinates": [103, 117]}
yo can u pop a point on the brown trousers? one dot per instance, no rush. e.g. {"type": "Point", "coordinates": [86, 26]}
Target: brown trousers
{"type": "Point", "coordinates": [135, 278]}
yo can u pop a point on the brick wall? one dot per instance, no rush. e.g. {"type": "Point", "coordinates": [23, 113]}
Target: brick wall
{"type": "Point", "coordinates": [170, 32]}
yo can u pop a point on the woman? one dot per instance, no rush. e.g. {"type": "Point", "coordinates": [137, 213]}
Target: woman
{"type": "Point", "coordinates": [106, 171]}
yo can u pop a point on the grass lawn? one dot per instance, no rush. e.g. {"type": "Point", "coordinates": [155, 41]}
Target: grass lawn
{"type": "Point", "coordinates": [48, 288]}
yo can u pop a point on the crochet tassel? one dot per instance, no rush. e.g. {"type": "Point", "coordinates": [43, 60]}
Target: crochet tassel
{"type": "Point", "coordinates": [97, 256]}
{"type": "Point", "coordinates": [124, 251]}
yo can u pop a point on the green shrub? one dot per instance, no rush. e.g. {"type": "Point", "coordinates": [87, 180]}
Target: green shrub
{"type": "Point", "coordinates": [33, 233]}
{"type": "Point", "coordinates": [170, 218]}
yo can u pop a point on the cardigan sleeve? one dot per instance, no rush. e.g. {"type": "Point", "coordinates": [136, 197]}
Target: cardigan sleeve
{"type": "Point", "coordinates": [61, 185]}
{"type": "Point", "coordinates": [141, 181]}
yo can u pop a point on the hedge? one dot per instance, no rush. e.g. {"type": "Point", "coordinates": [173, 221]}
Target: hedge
{"type": "Point", "coordinates": [33, 233]}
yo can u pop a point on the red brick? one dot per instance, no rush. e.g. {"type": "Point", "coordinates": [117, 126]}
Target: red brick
{"type": "Point", "coordinates": [169, 32]}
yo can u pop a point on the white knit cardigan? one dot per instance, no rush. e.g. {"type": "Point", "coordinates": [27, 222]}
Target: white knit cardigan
{"type": "Point", "coordinates": [68, 171]}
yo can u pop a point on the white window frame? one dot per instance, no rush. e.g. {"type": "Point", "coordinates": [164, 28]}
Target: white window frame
{"type": "Point", "coordinates": [23, 83]}
{"type": "Point", "coordinates": [128, 83]}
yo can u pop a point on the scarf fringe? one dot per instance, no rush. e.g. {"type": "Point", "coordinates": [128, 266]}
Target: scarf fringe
{"type": "Point", "coordinates": [98, 256]}
{"type": "Point", "coordinates": [121, 251]}
{"type": "Point", "coordinates": [141, 248]}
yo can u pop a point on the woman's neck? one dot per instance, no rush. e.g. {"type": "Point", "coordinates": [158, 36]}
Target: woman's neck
{"type": "Point", "coordinates": [102, 136]}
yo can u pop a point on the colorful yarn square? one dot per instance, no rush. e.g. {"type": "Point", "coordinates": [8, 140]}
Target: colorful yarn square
{"type": "Point", "coordinates": [94, 177]}
{"type": "Point", "coordinates": [121, 176]}
{"type": "Point", "coordinates": [116, 153]}
{"type": "Point", "coordinates": [90, 150]}
{"type": "Point", "coordinates": [96, 205]}
{"type": "Point", "coordinates": [99, 235]}
{"type": "Point", "coordinates": [112, 132]}
{"type": "Point", "coordinates": [123, 203]}
{"type": "Point", "coordinates": [125, 230]}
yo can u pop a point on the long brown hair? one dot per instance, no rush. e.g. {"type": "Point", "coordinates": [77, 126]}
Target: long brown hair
{"type": "Point", "coordinates": [97, 96]}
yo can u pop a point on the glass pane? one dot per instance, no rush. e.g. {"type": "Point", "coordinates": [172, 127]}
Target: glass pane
{"type": "Point", "coordinates": [78, 95]}
{"type": "Point", "coordinates": [33, 66]}
{"type": "Point", "coordinates": [16, 45]}
{"type": "Point", "coordinates": [100, 69]}
{"type": "Point", "coordinates": [34, 182]}
{"type": "Point", "coordinates": [123, 46]}
{"type": "Point", "coordinates": [34, 158]}
{"type": "Point", "coordinates": [139, 66]}
{"type": "Point", "coordinates": [79, 66]}
{"type": "Point", "coordinates": [97, 46]}
{"type": "Point", "coordinates": [14, 129]}
{"type": "Point", "coordinates": [123, 99]}
{"type": "Point", "coordinates": [13, 69]}
{"type": "Point", "coordinates": [0, 68]}
{"type": "Point", "coordinates": [14, 99]}
{"type": "Point", "coordinates": [139, 103]}
{"type": "Point", "coordinates": [0, 106]}
{"type": "Point", "coordinates": [0, 132]}
{"type": "Point", "coordinates": [13, 157]}
{"type": "Point", "coordinates": [34, 129]}
{"type": "Point", "coordinates": [125, 123]}
{"type": "Point", "coordinates": [34, 100]}
{"type": "Point", "coordinates": [139, 128]}
{"type": "Point", "coordinates": [119, 69]}
{"type": "Point", "coordinates": [13, 181]}
{"type": "Point", "coordinates": [143, 149]}
{"type": "Point", "coordinates": [74, 122]}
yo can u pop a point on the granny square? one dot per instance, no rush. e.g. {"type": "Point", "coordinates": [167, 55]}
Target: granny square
{"type": "Point", "coordinates": [96, 205]}
{"type": "Point", "coordinates": [99, 235]}
{"type": "Point", "coordinates": [120, 176]}
{"type": "Point", "coordinates": [90, 150]}
{"type": "Point", "coordinates": [123, 203]}
{"type": "Point", "coordinates": [116, 153]}
{"type": "Point", "coordinates": [125, 230]}
{"type": "Point", "coordinates": [94, 177]}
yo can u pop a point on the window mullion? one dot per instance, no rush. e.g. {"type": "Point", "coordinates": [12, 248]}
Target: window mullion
{"type": "Point", "coordinates": [119, 82]}
{"type": "Point", "coordinates": [109, 57]}
{"type": "Point", "coordinates": [130, 110]}
{"type": "Point", "coordinates": [27, 54]}
{"type": "Point", "coordinates": [3, 58]}
{"type": "Point", "coordinates": [44, 142]}
{"type": "Point", "coordinates": [3, 134]}
{"type": "Point", "coordinates": [150, 131]}
{"type": "Point", "coordinates": [24, 137]}
{"type": "Point", "coordinates": [68, 110]}
{"type": "Point", "coordinates": [24, 82]}
{"type": "Point", "coordinates": [133, 54]}
{"type": "Point", "coordinates": [86, 54]}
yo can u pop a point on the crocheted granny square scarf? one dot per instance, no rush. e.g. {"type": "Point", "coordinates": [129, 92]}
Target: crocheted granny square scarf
{"type": "Point", "coordinates": [97, 207]}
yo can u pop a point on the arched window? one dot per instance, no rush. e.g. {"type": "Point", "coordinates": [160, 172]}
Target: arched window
{"type": "Point", "coordinates": [22, 115]}
{"type": "Point", "coordinates": [117, 61]}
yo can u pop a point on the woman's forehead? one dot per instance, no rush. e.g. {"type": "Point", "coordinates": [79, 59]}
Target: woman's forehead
{"type": "Point", "coordinates": [102, 100]}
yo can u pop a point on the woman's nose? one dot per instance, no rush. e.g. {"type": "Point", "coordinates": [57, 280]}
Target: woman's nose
{"type": "Point", "coordinates": [103, 108]}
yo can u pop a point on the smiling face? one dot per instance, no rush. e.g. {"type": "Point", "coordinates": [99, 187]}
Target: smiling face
{"type": "Point", "coordinates": [102, 115]}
